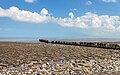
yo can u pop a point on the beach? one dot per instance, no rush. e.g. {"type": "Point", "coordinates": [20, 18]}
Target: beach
{"type": "Point", "coordinates": [20, 58]}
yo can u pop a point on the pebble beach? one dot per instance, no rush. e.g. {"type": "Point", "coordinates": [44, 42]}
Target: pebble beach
{"type": "Point", "coordinates": [18, 58]}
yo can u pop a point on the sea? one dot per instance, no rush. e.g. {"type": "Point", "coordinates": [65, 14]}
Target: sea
{"type": "Point", "coordinates": [36, 40]}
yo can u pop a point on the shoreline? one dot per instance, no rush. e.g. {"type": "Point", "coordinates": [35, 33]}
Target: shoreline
{"type": "Point", "coordinates": [59, 59]}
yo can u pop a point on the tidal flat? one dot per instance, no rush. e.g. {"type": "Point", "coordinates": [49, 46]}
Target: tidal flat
{"type": "Point", "coordinates": [19, 58]}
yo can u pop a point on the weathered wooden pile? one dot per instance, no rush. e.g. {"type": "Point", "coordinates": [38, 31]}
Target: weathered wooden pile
{"type": "Point", "coordinates": [43, 40]}
{"type": "Point", "coordinates": [108, 45]}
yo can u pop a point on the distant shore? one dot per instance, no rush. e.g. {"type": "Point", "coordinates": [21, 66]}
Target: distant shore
{"type": "Point", "coordinates": [26, 39]}
{"type": "Point", "coordinates": [49, 59]}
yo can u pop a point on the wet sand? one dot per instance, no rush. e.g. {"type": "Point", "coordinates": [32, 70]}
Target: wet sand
{"type": "Point", "coordinates": [56, 59]}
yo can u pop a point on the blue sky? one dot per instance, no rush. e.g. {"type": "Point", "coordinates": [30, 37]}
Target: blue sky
{"type": "Point", "coordinates": [60, 18]}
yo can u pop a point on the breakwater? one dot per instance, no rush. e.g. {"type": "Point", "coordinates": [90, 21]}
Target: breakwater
{"type": "Point", "coordinates": [108, 45]}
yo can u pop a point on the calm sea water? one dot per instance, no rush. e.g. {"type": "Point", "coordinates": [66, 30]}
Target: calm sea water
{"type": "Point", "coordinates": [18, 40]}
{"type": "Point", "coordinates": [81, 39]}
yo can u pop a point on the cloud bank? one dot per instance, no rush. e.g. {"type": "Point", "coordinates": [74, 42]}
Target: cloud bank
{"type": "Point", "coordinates": [25, 16]}
{"type": "Point", "coordinates": [91, 20]}
{"type": "Point", "coordinates": [109, 1]}
{"type": "Point", "coordinates": [29, 1]}
{"type": "Point", "coordinates": [88, 20]}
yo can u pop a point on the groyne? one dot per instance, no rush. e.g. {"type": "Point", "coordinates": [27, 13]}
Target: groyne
{"type": "Point", "coordinates": [108, 45]}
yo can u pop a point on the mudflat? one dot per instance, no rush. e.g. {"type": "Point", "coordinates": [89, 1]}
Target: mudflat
{"type": "Point", "coordinates": [56, 59]}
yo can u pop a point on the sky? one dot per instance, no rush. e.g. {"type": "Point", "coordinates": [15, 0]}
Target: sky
{"type": "Point", "coordinates": [60, 18]}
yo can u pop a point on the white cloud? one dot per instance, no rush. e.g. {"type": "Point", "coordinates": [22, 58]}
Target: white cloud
{"type": "Point", "coordinates": [71, 14]}
{"type": "Point", "coordinates": [25, 16]}
{"type": "Point", "coordinates": [91, 20]}
{"type": "Point", "coordinates": [44, 12]}
{"type": "Point", "coordinates": [88, 2]}
{"type": "Point", "coordinates": [29, 1]}
{"type": "Point", "coordinates": [109, 1]}
{"type": "Point", "coordinates": [74, 9]}
{"type": "Point", "coordinates": [88, 20]}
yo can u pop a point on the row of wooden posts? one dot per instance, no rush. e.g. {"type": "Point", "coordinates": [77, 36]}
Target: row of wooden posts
{"type": "Point", "coordinates": [87, 44]}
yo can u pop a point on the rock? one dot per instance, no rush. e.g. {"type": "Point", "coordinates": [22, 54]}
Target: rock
{"type": "Point", "coordinates": [44, 65]}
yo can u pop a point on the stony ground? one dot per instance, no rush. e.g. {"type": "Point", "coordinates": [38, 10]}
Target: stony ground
{"type": "Point", "coordinates": [55, 59]}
